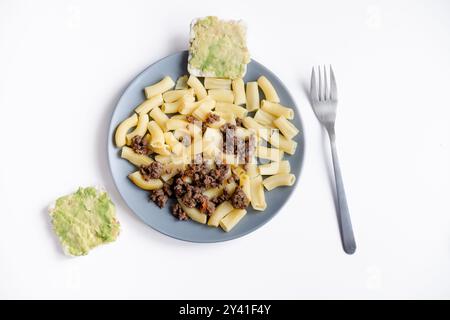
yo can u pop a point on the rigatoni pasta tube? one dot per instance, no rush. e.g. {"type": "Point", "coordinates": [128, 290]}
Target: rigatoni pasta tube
{"type": "Point", "coordinates": [277, 109]}
{"type": "Point", "coordinates": [173, 143]}
{"type": "Point", "coordinates": [217, 83]}
{"type": "Point", "coordinates": [160, 117]}
{"type": "Point", "coordinates": [157, 135]}
{"type": "Point", "coordinates": [275, 167]}
{"type": "Point", "coordinates": [221, 211]}
{"type": "Point", "coordinates": [122, 129]}
{"type": "Point", "coordinates": [151, 184]}
{"type": "Point", "coordinates": [149, 104]}
{"type": "Point", "coordinates": [264, 118]}
{"type": "Point", "coordinates": [198, 87]}
{"type": "Point", "coordinates": [279, 141]}
{"type": "Point", "coordinates": [260, 130]}
{"type": "Point", "coordinates": [193, 213]}
{"type": "Point", "coordinates": [182, 82]}
{"type": "Point", "coordinates": [162, 86]}
{"type": "Point", "coordinates": [272, 154]}
{"type": "Point", "coordinates": [278, 180]}
{"type": "Point", "coordinates": [239, 91]}
{"type": "Point", "coordinates": [213, 192]}
{"type": "Point", "coordinates": [244, 183]}
{"type": "Point", "coordinates": [252, 170]}
{"type": "Point", "coordinates": [286, 127]}
{"type": "Point", "coordinates": [141, 127]}
{"type": "Point", "coordinates": [268, 89]}
{"type": "Point", "coordinates": [257, 192]}
{"type": "Point", "coordinates": [174, 95]}
{"type": "Point", "coordinates": [136, 159]}
{"type": "Point", "coordinates": [252, 96]}
{"type": "Point", "coordinates": [204, 109]}
{"type": "Point", "coordinates": [238, 111]}
{"type": "Point", "coordinates": [232, 219]}
{"type": "Point", "coordinates": [174, 124]}
{"type": "Point", "coordinates": [221, 95]}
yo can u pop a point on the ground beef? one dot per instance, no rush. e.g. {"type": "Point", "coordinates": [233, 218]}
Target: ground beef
{"type": "Point", "coordinates": [239, 200]}
{"type": "Point", "coordinates": [167, 188]}
{"type": "Point", "coordinates": [238, 122]}
{"type": "Point", "coordinates": [139, 145]}
{"type": "Point", "coordinates": [211, 118]}
{"type": "Point", "coordinates": [219, 199]}
{"type": "Point", "coordinates": [152, 171]}
{"type": "Point", "coordinates": [178, 212]}
{"type": "Point", "coordinates": [159, 197]}
{"type": "Point", "coordinates": [229, 137]}
{"type": "Point", "coordinates": [219, 173]}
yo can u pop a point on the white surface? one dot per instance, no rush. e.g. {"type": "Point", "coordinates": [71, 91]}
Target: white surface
{"type": "Point", "coordinates": [63, 65]}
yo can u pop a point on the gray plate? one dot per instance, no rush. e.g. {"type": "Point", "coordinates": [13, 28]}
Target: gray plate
{"type": "Point", "coordinates": [161, 219]}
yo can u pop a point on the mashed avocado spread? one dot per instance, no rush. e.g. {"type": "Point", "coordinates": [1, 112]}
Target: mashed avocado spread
{"type": "Point", "coordinates": [84, 220]}
{"type": "Point", "coordinates": [218, 48]}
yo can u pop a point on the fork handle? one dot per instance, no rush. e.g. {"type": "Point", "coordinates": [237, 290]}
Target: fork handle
{"type": "Point", "coordinates": [345, 224]}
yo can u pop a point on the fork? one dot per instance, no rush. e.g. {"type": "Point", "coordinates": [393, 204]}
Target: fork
{"type": "Point", "coordinates": [324, 102]}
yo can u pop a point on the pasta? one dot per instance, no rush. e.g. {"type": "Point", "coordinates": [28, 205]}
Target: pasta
{"type": "Point", "coordinates": [221, 95]}
{"type": "Point", "coordinates": [252, 96]}
{"type": "Point", "coordinates": [272, 154]}
{"type": "Point", "coordinates": [157, 135]}
{"type": "Point", "coordinates": [264, 118]}
{"type": "Point", "coordinates": [149, 104]}
{"type": "Point", "coordinates": [122, 129]}
{"type": "Point", "coordinates": [136, 159]}
{"type": "Point", "coordinates": [286, 128]}
{"type": "Point", "coordinates": [204, 109]}
{"type": "Point", "coordinates": [282, 179]}
{"type": "Point", "coordinates": [138, 180]}
{"type": "Point", "coordinates": [213, 192]}
{"type": "Point", "coordinates": [244, 183]}
{"type": "Point", "coordinates": [174, 95]}
{"type": "Point", "coordinates": [198, 87]}
{"type": "Point", "coordinates": [257, 193]}
{"type": "Point", "coordinates": [268, 89]}
{"type": "Point", "coordinates": [193, 213]}
{"type": "Point", "coordinates": [277, 109]}
{"type": "Point", "coordinates": [239, 91]}
{"type": "Point", "coordinates": [275, 167]}
{"type": "Point", "coordinates": [260, 130]}
{"type": "Point", "coordinates": [217, 83]}
{"type": "Point", "coordinates": [238, 111]}
{"type": "Point", "coordinates": [140, 129]}
{"type": "Point", "coordinates": [232, 219]}
{"type": "Point", "coordinates": [160, 117]}
{"type": "Point", "coordinates": [175, 146]}
{"type": "Point", "coordinates": [252, 170]}
{"type": "Point", "coordinates": [158, 88]}
{"type": "Point", "coordinates": [280, 142]}
{"type": "Point", "coordinates": [174, 124]}
{"type": "Point", "coordinates": [182, 83]}
{"type": "Point", "coordinates": [221, 211]}
{"type": "Point", "coordinates": [187, 123]}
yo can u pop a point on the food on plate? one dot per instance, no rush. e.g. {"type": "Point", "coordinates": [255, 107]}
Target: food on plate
{"type": "Point", "coordinates": [208, 140]}
{"type": "Point", "coordinates": [84, 220]}
{"type": "Point", "coordinates": [218, 48]}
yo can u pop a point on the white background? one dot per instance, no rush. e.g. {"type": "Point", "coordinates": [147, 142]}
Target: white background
{"type": "Point", "coordinates": [63, 65]}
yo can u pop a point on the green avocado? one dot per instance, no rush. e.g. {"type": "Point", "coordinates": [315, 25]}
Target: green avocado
{"type": "Point", "coordinates": [84, 220]}
{"type": "Point", "coordinates": [218, 48]}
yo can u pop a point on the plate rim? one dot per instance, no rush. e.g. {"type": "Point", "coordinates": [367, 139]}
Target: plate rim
{"type": "Point", "coordinates": [205, 241]}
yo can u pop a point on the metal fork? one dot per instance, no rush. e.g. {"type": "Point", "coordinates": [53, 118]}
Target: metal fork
{"type": "Point", "coordinates": [324, 101]}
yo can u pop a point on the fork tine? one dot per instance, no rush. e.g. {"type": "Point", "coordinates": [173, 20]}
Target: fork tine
{"type": "Point", "coordinates": [320, 82]}
{"type": "Point", "coordinates": [313, 90]}
{"type": "Point", "coordinates": [333, 90]}
{"type": "Point", "coordinates": [325, 84]}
